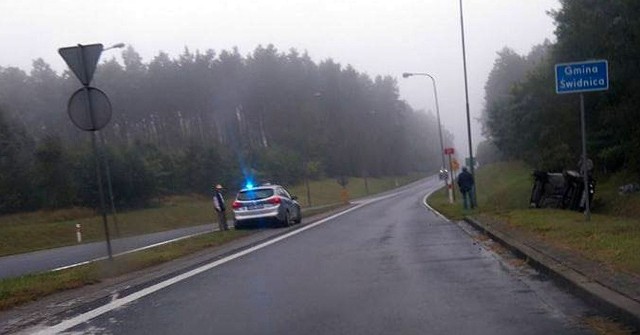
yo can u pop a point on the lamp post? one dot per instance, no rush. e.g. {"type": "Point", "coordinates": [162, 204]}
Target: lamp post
{"type": "Point", "coordinates": [466, 96]}
{"type": "Point", "coordinates": [435, 94]}
{"type": "Point", "coordinates": [106, 162]}
{"type": "Point", "coordinates": [115, 46]}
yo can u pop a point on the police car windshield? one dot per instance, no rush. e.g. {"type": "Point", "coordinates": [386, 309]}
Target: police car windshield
{"type": "Point", "coordinates": [255, 194]}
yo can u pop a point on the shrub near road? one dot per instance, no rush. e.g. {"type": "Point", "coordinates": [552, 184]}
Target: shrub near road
{"type": "Point", "coordinates": [612, 237]}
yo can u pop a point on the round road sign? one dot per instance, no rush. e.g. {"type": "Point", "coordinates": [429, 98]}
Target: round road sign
{"type": "Point", "coordinates": [89, 109]}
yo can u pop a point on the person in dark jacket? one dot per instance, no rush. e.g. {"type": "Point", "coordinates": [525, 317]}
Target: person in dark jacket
{"type": "Point", "coordinates": [466, 184]}
{"type": "Point", "coordinates": [218, 205]}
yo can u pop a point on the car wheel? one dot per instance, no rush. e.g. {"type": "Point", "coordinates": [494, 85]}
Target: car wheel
{"type": "Point", "coordinates": [237, 225]}
{"type": "Point", "coordinates": [298, 218]}
{"type": "Point", "coordinates": [287, 219]}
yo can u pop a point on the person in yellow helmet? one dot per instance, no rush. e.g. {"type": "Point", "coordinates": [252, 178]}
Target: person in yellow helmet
{"type": "Point", "coordinates": [218, 205]}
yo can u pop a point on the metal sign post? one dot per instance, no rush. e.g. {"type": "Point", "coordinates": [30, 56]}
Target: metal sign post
{"type": "Point", "coordinates": [89, 109]}
{"type": "Point", "coordinates": [452, 193]}
{"type": "Point", "coordinates": [585, 177]}
{"type": "Point", "coordinates": [580, 77]}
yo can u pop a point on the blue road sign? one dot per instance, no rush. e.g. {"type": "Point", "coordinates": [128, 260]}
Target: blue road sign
{"type": "Point", "coordinates": [582, 77]}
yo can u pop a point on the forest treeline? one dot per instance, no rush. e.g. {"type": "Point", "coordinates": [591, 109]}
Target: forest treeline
{"type": "Point", "coordinates": [525, 119]}
{"type": "Point", "coordinates": [181, 124]}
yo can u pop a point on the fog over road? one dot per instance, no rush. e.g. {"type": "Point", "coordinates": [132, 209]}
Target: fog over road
{"type": "Point", "coordinates": [387, 267]}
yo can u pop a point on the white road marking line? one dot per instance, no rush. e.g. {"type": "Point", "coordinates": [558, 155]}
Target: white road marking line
{"type": "Point", "coordinates": [129, 251]}
{"type": "Point", "coordinates": [76, 264]}
{"type": "Point", "coordinates": [371, 200]}
{"type": "Point", "coordinates": [82, 318]}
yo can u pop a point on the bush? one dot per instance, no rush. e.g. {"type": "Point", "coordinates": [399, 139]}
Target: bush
{"type": "Point", "coordinates": [16, 186]}
{"type": "Point", "coordinates": [281, 166]}
{"type": "Point", "coordinates": [52, 174]}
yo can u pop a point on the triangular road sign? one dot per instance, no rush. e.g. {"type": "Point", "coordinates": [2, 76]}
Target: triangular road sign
{"type": "Point", "coordinates": [82, 60]}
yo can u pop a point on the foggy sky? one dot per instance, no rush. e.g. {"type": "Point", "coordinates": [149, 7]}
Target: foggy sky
{"type": "Point", "coordinates": [376, 37]}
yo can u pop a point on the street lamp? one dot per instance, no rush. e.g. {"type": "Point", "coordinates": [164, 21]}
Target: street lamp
{"type": "Point", "coordinates": [117, 45]}
{"type": "Point", "coordinates": [106, 161]}
{"type": "Point", "coordinates": [435, 94]}
{"type": "Point", "coordinates": [466, 96]}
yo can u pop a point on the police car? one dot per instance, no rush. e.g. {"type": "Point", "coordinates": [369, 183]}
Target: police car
{"type": "Point", "coordinates": [265, 203]}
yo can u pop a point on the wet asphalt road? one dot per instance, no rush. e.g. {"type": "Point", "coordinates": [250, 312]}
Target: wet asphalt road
{"type": "Point", "coordinates": [389, 267]}
{"type": "Point", "coordinates": [45, 260]}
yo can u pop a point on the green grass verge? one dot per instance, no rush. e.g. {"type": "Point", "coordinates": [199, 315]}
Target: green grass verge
{"type": "Point", "coordinates": [610, 240]}
{"type": "Point", "coordinates": [608, 201]}
{"type": "Point", "coordinates": [27, 232]}
{"type": "Point", "coordinates": [43, 230]}
{"type": "Point", "coordinates": [306, 212]}
{"type": "Point", "coordinates": [612, 236]}
{"type": "Point", "coordinates": [501, 187]}
{"type": "Point", "coordinates": [20, 290]}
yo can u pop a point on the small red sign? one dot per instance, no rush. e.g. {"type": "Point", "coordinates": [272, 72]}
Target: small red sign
{"type": "Point", "coordinates": [448, 151]}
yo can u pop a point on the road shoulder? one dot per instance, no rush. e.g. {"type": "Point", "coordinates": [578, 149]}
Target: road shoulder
{"type": "Point", "coordinates": [617, 294]}
{"type": "Point", "coordinates": [614, 292]}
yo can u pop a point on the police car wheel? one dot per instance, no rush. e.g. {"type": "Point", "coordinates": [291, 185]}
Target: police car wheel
{"type": "Point", "coordinates": [287, 220]}
{"type": "Point", "coordinates": [237, 225]}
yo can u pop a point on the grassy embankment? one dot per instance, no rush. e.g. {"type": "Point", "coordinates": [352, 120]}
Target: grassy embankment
{"type": "Point", "coordinates": [612, 237]}
{"type": "Point", "coordinates": [40, 230]}
{"type": "Point", "coordinates": [26, 232]}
